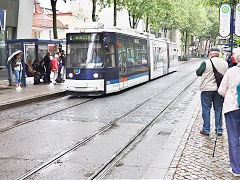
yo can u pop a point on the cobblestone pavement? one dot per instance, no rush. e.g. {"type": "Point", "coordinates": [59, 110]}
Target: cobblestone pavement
{"type": "Point", "coordinates": [193, 159]}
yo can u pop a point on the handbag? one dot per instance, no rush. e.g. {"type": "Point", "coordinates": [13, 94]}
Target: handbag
{"type": "Point", "coordinates": [218, 76]}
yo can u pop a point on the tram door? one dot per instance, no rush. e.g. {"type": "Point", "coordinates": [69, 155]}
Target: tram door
{"type": "Point", "coordinates": [122, 55]}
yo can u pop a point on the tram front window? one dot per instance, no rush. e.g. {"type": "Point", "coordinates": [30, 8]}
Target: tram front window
{"type": "Point", "coordinates": [85, 55]}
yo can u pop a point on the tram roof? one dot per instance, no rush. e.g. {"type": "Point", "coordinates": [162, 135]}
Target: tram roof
{"type": "Point", "coordinates": [126, 31]}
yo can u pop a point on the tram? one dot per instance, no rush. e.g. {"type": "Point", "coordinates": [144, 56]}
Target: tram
{"type": "Point", "coordinates": [103, 61]}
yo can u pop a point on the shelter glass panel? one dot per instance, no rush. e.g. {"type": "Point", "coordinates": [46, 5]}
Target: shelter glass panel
{"type": "Point", "coordinates": [42, 51]}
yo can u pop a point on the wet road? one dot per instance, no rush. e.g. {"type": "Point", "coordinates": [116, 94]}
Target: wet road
{"type": "Point", "coordinates": [55, 129]}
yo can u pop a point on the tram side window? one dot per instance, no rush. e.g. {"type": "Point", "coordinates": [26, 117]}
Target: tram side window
{"type": "Point", "coordinates": [111, 56]}
{"type": "Point", "coordinates": [130, 55]}
{"type": "Point", "coordinates": [122, 54]}
{"type": "Point", "coordinates": [138, 53]}
{"type": "Point", "coordinates": [144, 55]}
{"type": "Point", "coordinates": [159, 59]}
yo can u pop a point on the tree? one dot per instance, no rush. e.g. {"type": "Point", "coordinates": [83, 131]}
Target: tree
{"type": "Point", "coordinates": [94, 5]}
{"type": "Point", "coordinates": [137, 9]}
{"type": "Point", "coordinates": [117, 6]}
{"type": "Point", "coordinates": [218, 3]}
{"type": "Point", "coordinates": [53, 4]}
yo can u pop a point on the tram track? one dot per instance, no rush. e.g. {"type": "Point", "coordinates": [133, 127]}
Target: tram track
{"type": "Point", "coordinates": [43, 116]}
{"type": "Point", "coordinates": [49, 114]}
{"type": "Point", "coordinates": [109, 164]}
{"type": "Point", "coordinates": [105, 168]}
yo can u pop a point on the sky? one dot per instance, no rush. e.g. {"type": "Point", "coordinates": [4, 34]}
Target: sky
{"type": "Point", "coordinates": [105, 16]}
{"type": "Point", "coordinates": [62, 6]}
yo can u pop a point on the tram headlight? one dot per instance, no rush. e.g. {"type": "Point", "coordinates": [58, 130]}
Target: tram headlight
{"type": "Point", "coordinates": [95, 75]}
{"type": "Point", "coordinates": [70, 75]}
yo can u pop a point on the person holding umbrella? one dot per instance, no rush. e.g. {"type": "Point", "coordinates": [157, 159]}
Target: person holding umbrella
{"type": "Point", "coordinates": [229, 89]}
{"type": "Point", "coordinates": [17, 68]}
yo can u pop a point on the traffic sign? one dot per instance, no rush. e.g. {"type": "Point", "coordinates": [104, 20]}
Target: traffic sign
{"type": "Point", "coordinates": [224, 20]}
{"type": "Point", "coordinates": [237, 20]}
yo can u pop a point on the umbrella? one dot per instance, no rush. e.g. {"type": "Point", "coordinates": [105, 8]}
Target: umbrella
{"type": "Point", "coordinates": [13, 54]}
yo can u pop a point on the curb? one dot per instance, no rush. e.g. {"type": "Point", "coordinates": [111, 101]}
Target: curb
{"type": "Point", "coordinates": [42, 97]}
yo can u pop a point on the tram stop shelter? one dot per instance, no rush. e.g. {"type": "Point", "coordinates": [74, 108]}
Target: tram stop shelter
{"type": "Point", "coordinates": [32, 49]}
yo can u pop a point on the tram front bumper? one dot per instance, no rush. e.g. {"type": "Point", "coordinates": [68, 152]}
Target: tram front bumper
{"type": "Point", "coordinates": [84, 85]}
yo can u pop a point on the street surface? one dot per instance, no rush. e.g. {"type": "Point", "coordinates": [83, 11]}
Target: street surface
{"type": "Point", "coordinates": [33, 134]}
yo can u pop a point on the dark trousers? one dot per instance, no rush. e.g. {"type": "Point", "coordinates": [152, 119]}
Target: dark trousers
{"type": "Point", "coordinates": [48, 72]}
{"type": "Point", "coordinates": [233, 129]}
{"type": "Point", "coordinates": [209, 98]}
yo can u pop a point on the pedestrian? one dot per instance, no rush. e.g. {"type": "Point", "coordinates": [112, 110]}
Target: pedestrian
{"type": "Point", "coordinates": [63, 57]}
{"type": "Point", "coordinates": [42, 71]}
{"type": "Point", "coordinates": [59, 68]}
{"type": "Point", "coordinates": [29, 69]}
{"type": "Point", "coordinates": [209, 94]}
{"type": "Point", "coordinates": [17, 68]}
{"type": "Point", "coordinates": [46, 60]}
{"type": "Point", "coordinates": [55, 64]}
{"type": "Point", "coordinates": [35, 65]}
{"type": "Point", "coordinates": [228, 89]}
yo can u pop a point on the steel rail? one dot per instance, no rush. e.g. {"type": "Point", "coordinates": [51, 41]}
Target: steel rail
{"type": "Point", "coordinates": [40, 117]}
{"type": "Point", "coordinates": [90, 137]}
{"type": "Point", "coordinates": [132, 142]}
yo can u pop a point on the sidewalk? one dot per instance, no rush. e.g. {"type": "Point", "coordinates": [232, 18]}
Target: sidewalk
{"type": "Point", "coordinates": [10, 97]}
{"type": "Point", "coordinates": [193, 159]}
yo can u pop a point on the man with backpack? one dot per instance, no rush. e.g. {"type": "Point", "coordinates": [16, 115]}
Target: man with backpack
{"type": "Point", "coordinates": [209, 87]}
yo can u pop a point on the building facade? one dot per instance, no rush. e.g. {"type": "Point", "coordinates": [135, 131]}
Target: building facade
{"type": "Point", "coordinates": [18, 25]}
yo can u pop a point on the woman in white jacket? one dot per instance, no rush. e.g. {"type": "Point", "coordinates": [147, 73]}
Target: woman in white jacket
{"type": "Point", "coordinates": [228, 89]}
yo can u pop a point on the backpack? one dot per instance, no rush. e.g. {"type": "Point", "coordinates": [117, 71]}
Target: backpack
{"type": "Point", "coordinates": [238, 93]}
{"type": "Point", "coordinates": [218, 75]}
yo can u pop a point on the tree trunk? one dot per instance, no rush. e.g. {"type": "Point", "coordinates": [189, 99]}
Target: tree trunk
{"type": "Point", "coordinates": [182, 39]}
{"type": "Point", "coordinates": [115, 13]}
{"type": "Point", "coordinates": [200, 47]}
{"type": "Point", "coordinates": [133, 21]}
{"type": "Point", "coordinates": [205, 50]}
{"type": "Point", "coordinates": [186, 42]}
{"type": "Point", "coordinates": [94, 19]}
{"type": "Point", "coordinates": [129, 19]}
{"type": "Point", "coordinates": [53, 3]}
{"type": "Point", "coordinates": [147, 22]}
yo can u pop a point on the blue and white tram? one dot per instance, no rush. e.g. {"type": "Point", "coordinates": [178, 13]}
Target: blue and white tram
{"type": "Point", "coordinates": [105, 61]}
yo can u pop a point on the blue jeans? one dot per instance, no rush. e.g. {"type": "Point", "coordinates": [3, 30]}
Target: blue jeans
{"type": "Point", "coordinates": [207, 99]}
{"type": "Point", "coordinates": [18, 76]}
{"type": "Point", "coordinates": [233, 129]}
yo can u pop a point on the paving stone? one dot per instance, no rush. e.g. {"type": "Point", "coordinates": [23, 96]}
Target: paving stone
{"type": "Point", "coordinates": [193, 159]}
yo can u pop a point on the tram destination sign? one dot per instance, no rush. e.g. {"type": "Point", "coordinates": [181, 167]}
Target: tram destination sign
{"type": "Point", "coordinates": [82, 37]}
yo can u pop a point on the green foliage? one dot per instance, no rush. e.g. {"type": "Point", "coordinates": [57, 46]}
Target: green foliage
{"type": "Point", "coordinates": [218, 3]}
{"type": "Point", "coordinates": [236, 39]}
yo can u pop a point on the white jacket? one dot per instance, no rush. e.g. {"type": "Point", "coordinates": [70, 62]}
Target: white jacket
{"type": "Point", "coordinates": [228, 88]}
{"type": "Point", "coordinates": [208, 81]}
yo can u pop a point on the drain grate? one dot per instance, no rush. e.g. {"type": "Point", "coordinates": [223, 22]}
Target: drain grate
{"type": "Point", "coordinates": [164, 133]}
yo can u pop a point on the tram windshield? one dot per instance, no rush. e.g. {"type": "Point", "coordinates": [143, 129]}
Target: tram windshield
{"type": "Point", "coordinates": [85, 52]}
